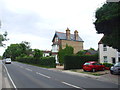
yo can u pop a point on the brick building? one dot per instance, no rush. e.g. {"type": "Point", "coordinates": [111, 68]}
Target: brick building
{"type": "Point", "coordinates": [60, 40]}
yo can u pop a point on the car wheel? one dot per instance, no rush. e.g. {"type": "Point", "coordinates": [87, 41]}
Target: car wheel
{"type": "Point", "coordinates": [103, 69]}
{"type": "Point", "coordinates": [93, 70]}
{"type": "Point", "coordinates": [111, 72]}
{"type": "Point", "coordinates": [84, 70]}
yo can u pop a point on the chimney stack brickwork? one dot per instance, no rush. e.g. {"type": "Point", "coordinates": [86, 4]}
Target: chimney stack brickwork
{"type": "Point", "coordinates": [76, 34]}
{"type": "Point", "coordinates": [68, 34]}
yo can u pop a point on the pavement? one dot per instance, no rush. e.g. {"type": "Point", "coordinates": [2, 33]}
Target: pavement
{"type": "Point", "coordinates": [105, 77]}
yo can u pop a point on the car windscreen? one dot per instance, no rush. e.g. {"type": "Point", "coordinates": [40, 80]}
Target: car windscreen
{"type": "Point", "coordinates": [117, 65]}
{"type": "Point", "coordinates": [87, 64]}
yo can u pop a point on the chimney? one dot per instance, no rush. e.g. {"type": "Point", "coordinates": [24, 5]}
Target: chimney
{"type": "Point", "coordinates": [76, 34]}
{"type": "Point", "coordinates": [68, 34]}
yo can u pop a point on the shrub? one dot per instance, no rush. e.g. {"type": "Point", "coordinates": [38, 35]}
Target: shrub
{"type": "Point", "coordinates": [108, 64]}
{"type": "Point", "coordinates": [76, 62]}
{"type": "Point", "coordinates": [63, 52]}
{"type": "Point", "coordinates": [44, 61]}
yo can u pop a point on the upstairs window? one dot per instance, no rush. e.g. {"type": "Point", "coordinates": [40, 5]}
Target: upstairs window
{"type": "Point", "coordinates": [56, 39]}
{"type": "Point", "coordinates": [104, 48]}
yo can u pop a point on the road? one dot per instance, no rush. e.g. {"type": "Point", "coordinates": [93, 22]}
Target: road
{"type": "Point", "coordinates": [28, 76]}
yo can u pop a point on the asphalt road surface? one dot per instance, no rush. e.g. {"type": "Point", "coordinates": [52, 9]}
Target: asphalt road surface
{"type": "Point", "coordinates": [28, 76]}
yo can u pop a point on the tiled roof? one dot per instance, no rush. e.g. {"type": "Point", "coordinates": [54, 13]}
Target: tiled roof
{"type": "Point", "coordinates": [92, 52]}
{"type": "Point", "coordinates": [62, 36]}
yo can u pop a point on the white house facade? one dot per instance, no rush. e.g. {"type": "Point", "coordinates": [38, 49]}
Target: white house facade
{"type": "Point", "coordinates": [108, 54]}
{"type": "Point", "coordinates": [46, 53]}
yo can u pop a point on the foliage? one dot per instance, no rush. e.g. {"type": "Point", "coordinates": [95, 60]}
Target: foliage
{"type": "Point", "coordinates": [107, 64]}
{"type": "Point", "coordinates": [15, 50]}
{"type": "Point", "coordinates": [37, 54]}
{"type": "Point", "coordinates": [108, 23]}
{"type": "Point", "coordinates": [82, 52]}
{"type": "Point", "coordinates": [3, 38]}
{"type": "Point", "coordinates": [63, 52]}
{"type": "Point", "coordinates": [44, 61]}
{"type": "Point", "coordinates": [76, 62]}
{"type": "Point", "coordinates": [91, 49]}
{"type": "Point", "coordinates": [0, 57]}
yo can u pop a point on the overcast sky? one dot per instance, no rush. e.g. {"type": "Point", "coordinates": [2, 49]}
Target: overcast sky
{"type": "Point", "coordinates": [36, 21]}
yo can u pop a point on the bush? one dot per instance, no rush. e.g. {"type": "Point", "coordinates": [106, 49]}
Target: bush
{"type": "Point", "coordinates": [108, 64]}
{"type": "Point", "coordinates": [46, 61]}
{"type": "Point", "coordinates": [63, 52]}
{"type": "Point", "coordinates": [76, 62]}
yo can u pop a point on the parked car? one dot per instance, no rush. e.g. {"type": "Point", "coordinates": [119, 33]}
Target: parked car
{"type": "Point", "coordinates": [8, 61]}
{"type": "Point", "coordinates": [115, 69]}
{"type": "Point", "coordinates": [93, 66]}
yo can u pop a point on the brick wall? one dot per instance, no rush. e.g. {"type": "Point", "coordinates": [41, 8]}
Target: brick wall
{"type": "Point", "coordinates": [75, 44]}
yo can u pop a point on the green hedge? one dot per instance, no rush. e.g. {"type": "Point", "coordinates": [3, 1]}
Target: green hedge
{"type": "Point", "coordinates": [107, 64]}
{"type": "Point", "coordinates": [45, 61]}
{"type": "Point", "coordinates": [76, 62]}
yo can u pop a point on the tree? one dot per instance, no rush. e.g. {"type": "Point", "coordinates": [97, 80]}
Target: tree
{"type": "Point", "coordinates": [63, 52]}
{"type": "Point", "coordinates": [80, 53]}
{"type": "Point", "coordinates": [15, 50]}
{"type": "Point", "coordinates": [26, 48]}
{"type": "Point", "coordinates": [108, 23]}
{"type": "Point", "coordinates": [37, 55]}
{"type": "Point", "coordinates": [2, 37]}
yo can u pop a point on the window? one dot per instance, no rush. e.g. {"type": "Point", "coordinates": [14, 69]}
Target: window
{"type": "Point", "coordinates": [105, 59]}
{"type": "Point", "coordinates": [87, 64]}
{"type": "Point", "coordinates": [56, 39]}
{"type": "Point", "coordinates": [104, 48]}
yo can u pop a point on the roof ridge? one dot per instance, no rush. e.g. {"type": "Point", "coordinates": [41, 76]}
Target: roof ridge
{"type": "Point", "coordinates": [60, 32]}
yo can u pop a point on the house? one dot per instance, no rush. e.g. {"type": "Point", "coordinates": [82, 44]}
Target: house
{"type": "Point", "coordinates": [108, 54]}
{"type": "Point", "coordinates": [46, 53]}
{"type": "Point", "coordinates": [60, 40]}
{"type": "Point", "coordinates": [91, 52]}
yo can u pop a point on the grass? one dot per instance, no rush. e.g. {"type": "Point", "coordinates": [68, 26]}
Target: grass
{"type": "Point", "coordinates": [98, 73]}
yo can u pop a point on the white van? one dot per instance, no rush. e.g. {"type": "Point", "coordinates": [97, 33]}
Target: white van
{"type": "Point", "coordinates": [8, 61]}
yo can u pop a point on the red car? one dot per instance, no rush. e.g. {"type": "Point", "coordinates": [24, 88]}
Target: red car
{"type": "Point", "coordinates": [93, 66]}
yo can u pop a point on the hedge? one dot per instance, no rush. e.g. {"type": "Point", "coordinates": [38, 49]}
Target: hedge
{"type": "Point", "coordinates": [107, 64]}
{"type": "Point", "coordinates": [45, 61]}
{"type": "Point", "coordinates": [76, 62]}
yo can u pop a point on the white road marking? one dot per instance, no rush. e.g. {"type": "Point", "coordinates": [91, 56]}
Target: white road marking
{"type": "Point", "coordinates": [10, 77]}
{"type": "Point", "coordinates": [43, 75]}
{"type": "Point", "coordinates": [73, 85]}
{"type": "Point", "coordinates": [21, 66]}
{"type": "Point", "coordinates": [28, 69]}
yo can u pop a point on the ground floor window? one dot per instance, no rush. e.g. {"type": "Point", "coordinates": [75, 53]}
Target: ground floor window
{"type": "Point", "coordinates": [105, 59]}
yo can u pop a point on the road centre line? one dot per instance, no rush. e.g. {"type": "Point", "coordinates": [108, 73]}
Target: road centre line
{"type": "Point", "coordinates": [73, 86]}
{"type": "Point", "coordinates": [43, 75]}
{"type": "Point", "coordinates": [28, 69]}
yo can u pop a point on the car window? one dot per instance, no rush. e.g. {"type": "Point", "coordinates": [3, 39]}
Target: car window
{"type": "Point", "coordinates": [117, 65]}
{"type": "Point", "coordinates": [94, 64]}
{"type": "Point", "coordinates": [87, 64]}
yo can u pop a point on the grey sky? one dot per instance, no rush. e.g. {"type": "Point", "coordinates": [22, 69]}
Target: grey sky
{"type": "Point", "coordinates": [36, 21]}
